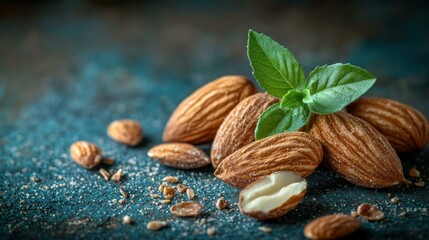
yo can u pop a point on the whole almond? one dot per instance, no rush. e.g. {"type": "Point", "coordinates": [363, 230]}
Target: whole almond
{"type": "Point", "coordinates": [296, 151]}
{"type": "Point", "coordinates": [331, 227]}
{"type": "Point", "coordinates": [238, 128]}
{"type": "Point", "coordinates": [179, 155]}
{"type": "Point", "coordinates": [125, 131]}
{"type": "Point", "coordinates": [406, 128]}
{"type": "Point", "coordinates": [357, 151]}
{"type": "Point", "coordinates": [86, 154]}
{"type": "Point", "coordinates": [197, 119]}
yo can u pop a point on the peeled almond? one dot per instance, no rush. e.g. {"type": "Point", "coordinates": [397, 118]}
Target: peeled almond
{"type": "Point", "coordinates": [272, 196]}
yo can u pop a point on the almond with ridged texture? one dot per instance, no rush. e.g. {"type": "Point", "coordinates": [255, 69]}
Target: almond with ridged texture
{"type": "Point", "coordinates": [293, 151]}
{"type": "Point", "coordinates": [179, 155]}
{"type": "Point", "coordinates": [406, 128]}
{"type": "Point", "coordinates": [125, 131]}
{"type": "Point", "coordinates": [332, 226]}
{"type": "Point", "coordinates": [238, 128]}
{"type": "Point", "coordinates": [198, 117]}
{"type": "Point", "coordinates": [357, 151]}
{"type": "Point", "coordinates": [272, 196]}
{"type": "Point", "coordinates": [86, 154]}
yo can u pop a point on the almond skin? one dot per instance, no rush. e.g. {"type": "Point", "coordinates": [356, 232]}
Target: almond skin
{"type": "Point", "coordinates": [197, 119]}
{"type": "Point", "coordinates": [238, 128]}
{"type": "Point", "coordinates": [179, 155]}
{"type": "Point", "coordinates": [357, 151]}
{"type": "Point", "coordinates": [296, 151]}
{"type": "Point", "coordinates": [406, 128]}
{"type": "Point", "coordinates": [331, 227]}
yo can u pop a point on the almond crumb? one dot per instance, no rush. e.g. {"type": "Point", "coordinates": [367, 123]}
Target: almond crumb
{"type": "Point", "coordinates": [171, 179]}
{"type": "Point", "coordinates": [190, 193]}
{"type": "Point", "coordinates": [420, 183]}
{"type": "Point", "coordinates": [265, 229]}
{"type": "Point", "coordinates": [122, 201]}
{"type": "Point", "coordinates": [370, 212]}
{"type": "Point", "coordinates": [181, 188]}
{"type": "Point", "coordinates": [162, 186]}
{"type": "Point", "coordinates": [414, 173]}
{"type": "Point", "coordinates": [169, 192]}
{"type": "Point", "coordinates": [156, 225]}
{"type": "Point", "coordinates": [394, 200]}
{"type": "Point", "coordinates": [211, 231]}
{"type": "Point", "coordinates": [165, 201]}
{"type": "Point", "coordinates": [108, 161]}
{"type": "Point", "coordinates": [127, 220]}
{"type": "Point", "coordinates": [105, 174]}
{"type": "Point", "coordinates": [123, 193]}
{"type": "Point", "coordinates": [117, 176]}
{"type": "Point", "coordinates": [222, 203]}
{"type": "Point", "coordinates": [155, 196]}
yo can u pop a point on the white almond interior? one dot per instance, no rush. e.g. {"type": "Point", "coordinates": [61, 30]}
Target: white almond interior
{"type": "Point", "coordinates": [271, 191]}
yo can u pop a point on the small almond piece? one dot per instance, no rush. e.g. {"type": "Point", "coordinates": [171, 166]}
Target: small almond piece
{"type": "Point", "coordinates": [292, 151]}
{"type": "Point", "coordinates": [272, 196]}
{"type": "Point", "coordinates": [181, 188]}
{"type": "Point", "coordinates": [125, 131]}
{"type": "Point", "coordinates": [211, 231]}
{"type": "Point", "coordinates": [123, 193]}
{"type": "Point", "coordinates": [127, 220]}
{"type": "Point", "coordinates": [179, 155]}
{"type": "Point", "coordinates": [117, 176]}
{"type": "Point", "coordinates": [186, 209]}
{"type": "Point", "coordinates": [190, 193]}
{"type": "Point", "coordinates": [105, 174]}
{"type": "Point", "coordinates": [221, 203]}
{"type": "Point", "coordinates": [156, 225]}
{"type": "Point", "coordinates": [162, 187]}
{"type": "Point", "coordinates": [331, 227]}
{"type": "Point", "coordinates": [198, 117]}
{"type": "Point", "coordinates": [414, 173]}
{"type": "Point", "coordinates": [169, 192]}
{"type": "Point", "coordinates": [86, 154]}
{"type": "Point", "coordinates": [171, 179]}
{"type": "Point", "coordinates": [370, 212]}
{"type": "Point", "coordinates": [265, 229]}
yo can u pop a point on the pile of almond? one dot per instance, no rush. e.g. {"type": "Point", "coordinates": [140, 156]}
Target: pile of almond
{"type": "Point", "coordinates": [360, 143]}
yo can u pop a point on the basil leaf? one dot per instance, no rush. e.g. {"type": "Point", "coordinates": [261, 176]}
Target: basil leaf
{"type": "Point", "coordinates": [335, 86]}
{"type": "Point", "coordinates": [295, 98]}
{"type": "Point", "coordinates": [274, 67]}
{"type": "Point", "coordinates": [276, 120]}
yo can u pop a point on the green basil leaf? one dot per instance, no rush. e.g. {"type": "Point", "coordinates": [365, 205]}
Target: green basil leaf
{"type": "Point", "coordinates": [276, 120]}
{"type": "Point", "coordinates": [335, 86]}
{"type": "Point", "coordinates": [295, 98]}
{"type": "Point", "coordinates": [274, 67]}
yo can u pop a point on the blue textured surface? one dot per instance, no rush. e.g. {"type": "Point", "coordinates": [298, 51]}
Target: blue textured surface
{"type": "Point", "coordinates": [68, 69]}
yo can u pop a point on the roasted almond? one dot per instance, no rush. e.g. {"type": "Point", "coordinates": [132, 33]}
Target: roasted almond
{"type": "Point", "coordinates": [238, 128]}
{"type": "Point", "coordinates": [272, 196]}
{"type": "Point", "coordinates": [179, 155]}
{"type": "Point", "coordinates": [357, 151]}
{"type": "Point", "coordinates": [331, 227]}
{"type": "Point", "coordinates": [297, 152]}
{"type": "Point", "coordinates": [125, 131]}
{"type": "Point", "coordinates": [86, 154]}
{"type": "Point", "coordinates": [406, 128]}
{"type": "Point", "coordinates": [197, 119]}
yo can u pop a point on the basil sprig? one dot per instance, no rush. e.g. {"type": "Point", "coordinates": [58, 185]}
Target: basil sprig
{"type": "Point", "coordinates": [326, 90]}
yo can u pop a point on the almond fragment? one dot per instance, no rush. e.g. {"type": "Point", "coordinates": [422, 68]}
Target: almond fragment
{"type": "Point", "coordinates": [190, 193]}
{"type": "Point", "coordinates": [125, 131]}
{"type": "Point", "coordinates": [272, 196]}
{"type": "Point", "coordinates": [162, 187]}
{"type": "Point", "coordinates": [108, 161]}
{"type": "Point", "coordinates": [198, 117]}
{"type": "Point", "coordinates": [165, 201]}
{"type": "Point", "coordinates": [169, 192]}
{"type": "Point", "coordinates": [331, 227]}
{"type": "Point", "coordinates": [127, 220]}
{"type": "Point", "coordinates": [86, 154]}
{"type": "Point", "coordinates": [156, 225]}
{"type": "Point", "coordinates": [105, 174]}
{"type": "Point", "coordinates": [179, 155]}
{"type": "Point", "coordinates": [123, 193]}
{"type": "Point", "coordinates": [265, 229]}
{"type": "Point", "coordinates": [405, 128]}
{"type": "Point", "coordinates": [357, 151]}
{"type": "Point", "coordinates": [186, 209]}
{"type": "Point", "coordinates": [171, 179]}
{"type": "Point", "coordinates": [291, 151]}
{"type": "Point", "coordinates": [221, 203]}
{"type": "Point", "coordinates": [238, 128]}
{"type": "Point", "coordinates": [419, 183]}
{"type": "Point", "coordinates": [117, 176]}
{"type": "Point", "coordinates": [211, 231]}
{"type": "Point", "coordinates": [414, 173]}
{"type": "Point", "coordinates": [181, 188]}
{"type": "Point", "coordinates": [370, 212]}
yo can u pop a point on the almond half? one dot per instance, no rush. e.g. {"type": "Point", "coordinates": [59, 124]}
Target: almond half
{"type": "Point", "coordinates": [179, 155]}
{"type": "Point", "coordinates": [272, 196]}
{"type": "Point", "coordinates": [238, 128]}
{"type": "Point", "coordinates": [197, 119]}
{"type": "Point", "coordinates": [292, 151]}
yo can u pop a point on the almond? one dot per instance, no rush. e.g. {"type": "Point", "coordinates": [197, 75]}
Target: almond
{"type": "Point", "coordinates": [331, 227]}
{"type": "Point", "coordinates": [406, 128]}
{"type": "Point", "coordinates": [186, 209]}
{"type": "Point", "coordinates": [86, 154]}
{"type": "Point", "coordinates": [197, 119]}
{"type": "Point", "coordinates": [272, 196]}
{"type": "Point", "coordinates": [125, 131]}
{"type": "Point", "coordinates": [238, 128]}
{"type": "Point", "coordinates": [179, 155]}
{"type": "Point", "coordinates": [357, 151]}
{"type": "Point", "coordinates": [297, 152]}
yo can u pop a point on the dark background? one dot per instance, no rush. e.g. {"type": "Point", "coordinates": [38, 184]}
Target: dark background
{"type": "Point", "coordinates": [68, 68]}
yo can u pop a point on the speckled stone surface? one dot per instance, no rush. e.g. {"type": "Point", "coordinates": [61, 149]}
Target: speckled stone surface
{"type": "Point", "coordinates": [67, 69]}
